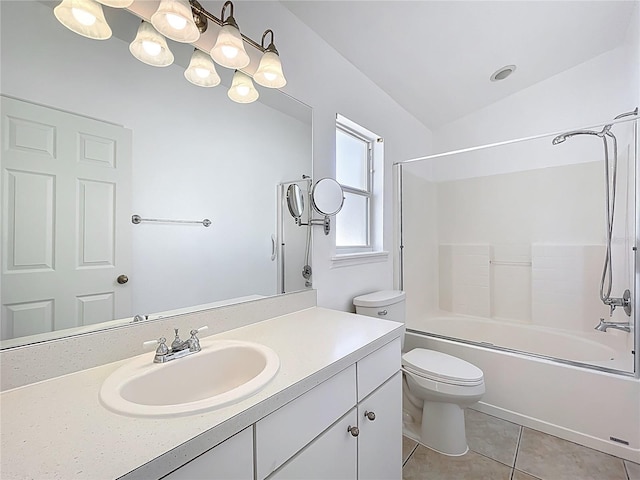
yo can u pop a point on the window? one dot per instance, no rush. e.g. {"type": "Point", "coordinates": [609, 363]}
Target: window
{"type": "Point", "coordinates": [359, 170]}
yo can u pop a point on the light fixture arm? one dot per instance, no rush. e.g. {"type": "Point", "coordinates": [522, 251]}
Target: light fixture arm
{"type": "Point", "coordinates": [196, 7]}
{"type": "Point", "coordinates": [271, 48]}
{"type": "Point", "coordinates": [230, 20]}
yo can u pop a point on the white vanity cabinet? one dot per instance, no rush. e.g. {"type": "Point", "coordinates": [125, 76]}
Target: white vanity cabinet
{"type": "Point", "coordinates": [334, 367]}
{"type": "Point", "coordinates": [353, 447]}
{"type": "Point", "coordinates": [229, 460]}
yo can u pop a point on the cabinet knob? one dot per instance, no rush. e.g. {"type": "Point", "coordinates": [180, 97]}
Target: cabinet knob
{"type": "Point", "coordinates": [354, 431]}
{"type": "Point", "coordinates": [370, 415]}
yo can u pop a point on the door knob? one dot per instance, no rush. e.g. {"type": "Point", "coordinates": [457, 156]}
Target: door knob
{"type": "Point", "coordinates": [122, 279]}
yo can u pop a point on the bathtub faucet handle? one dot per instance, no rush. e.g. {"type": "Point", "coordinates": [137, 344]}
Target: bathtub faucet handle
{"type": "Point", "coordinates": [624, 302]}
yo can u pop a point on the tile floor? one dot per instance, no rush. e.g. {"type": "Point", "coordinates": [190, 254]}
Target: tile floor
{"type": "Point", "coordinates": [501, 450]}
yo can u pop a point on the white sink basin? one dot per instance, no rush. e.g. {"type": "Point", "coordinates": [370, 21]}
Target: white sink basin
{"type": "Point", "coordinates": [222, 373]}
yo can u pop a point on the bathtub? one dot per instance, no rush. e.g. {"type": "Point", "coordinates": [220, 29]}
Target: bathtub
{"type": "Point", "coordinates": [595, 408]}
{"type": "Point", "coordinates": [605, 351]}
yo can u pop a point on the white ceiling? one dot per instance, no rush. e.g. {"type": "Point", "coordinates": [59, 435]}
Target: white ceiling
{"type": "Point", "coordinates": [435, 57]}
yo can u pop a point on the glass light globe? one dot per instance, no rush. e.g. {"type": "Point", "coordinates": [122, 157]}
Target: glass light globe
{"type": "Point", "coordinates": [242, 89]}
{"type": "Point", "coordinates": [150, 47]}
{"type": "Point", "coordinates": [116, 3]}
{"type": "Point", "coordinates": [201, 70]}
{"type": "Point", "coordinates": [269, 73]}
{"type": "Point", "coordinates": [228, 50]}
{"type": "Point", "coordinates": [84, 17]}
{"type": "Point", "coordinates": [174, 20]}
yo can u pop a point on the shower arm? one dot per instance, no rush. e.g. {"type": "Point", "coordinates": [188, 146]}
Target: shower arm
{"type": "Point", "coordinates": [632, 113]}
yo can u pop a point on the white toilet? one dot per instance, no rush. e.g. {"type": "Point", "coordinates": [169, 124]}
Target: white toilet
{"type": "Point", "coordinates": [437, 387]}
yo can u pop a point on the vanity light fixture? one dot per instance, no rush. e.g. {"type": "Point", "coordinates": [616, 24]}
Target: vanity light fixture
{"type": "Point", "coordinates": [184, 21]}
{"type": "Point", "coordinates": [201, 70]}
{"type": "Point", "coordinates": [150, 47]}
{"type": "Point", "coordinates": [116, 3]}
{"type": "Point", "coordinates": [269, 73]}
{"type": "Point", "coordinates": [84, 17]}
{"type": "Point", "coordinates": [174, 20]}
{"type": "Point", "coordinates": [228, 50]}
{"type": "Point", "coordinates": [242, 89]}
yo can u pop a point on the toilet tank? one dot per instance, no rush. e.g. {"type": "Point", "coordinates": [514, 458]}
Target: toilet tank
{"type": "Point", "coordinates": [386, 304]}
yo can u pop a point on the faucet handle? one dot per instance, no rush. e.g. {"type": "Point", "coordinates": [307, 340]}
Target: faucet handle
{"type": "Point", "coordinates": [194, 341]}
{"type": "Point", "coordinates": [162, 346]}
{"type": "Point", "coordinates": [195, 331]}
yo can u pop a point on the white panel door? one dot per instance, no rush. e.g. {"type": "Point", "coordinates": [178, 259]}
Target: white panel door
{"type": "Point", "coordinates": [66, 234]}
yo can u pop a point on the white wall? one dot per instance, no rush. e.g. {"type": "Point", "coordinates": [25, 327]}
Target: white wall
{"type": "Point", "coordinates": [321, 78]}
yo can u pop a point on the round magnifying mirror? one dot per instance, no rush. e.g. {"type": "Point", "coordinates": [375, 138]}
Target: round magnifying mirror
{"type": "Point", "coordinates": [295, 200]}
{"type": "Point", "coordinates": [327, 196]}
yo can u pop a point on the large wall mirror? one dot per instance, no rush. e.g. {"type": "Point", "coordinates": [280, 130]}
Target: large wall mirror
{"type": "Point", "coordinates": [92, 136]}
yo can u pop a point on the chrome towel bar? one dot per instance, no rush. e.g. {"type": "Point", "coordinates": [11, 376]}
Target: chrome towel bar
{"type": "Point", "coordinates": [136, 219]}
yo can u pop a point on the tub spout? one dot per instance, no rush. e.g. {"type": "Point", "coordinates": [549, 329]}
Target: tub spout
{"type": "Point", "coordinates": [602, 326]}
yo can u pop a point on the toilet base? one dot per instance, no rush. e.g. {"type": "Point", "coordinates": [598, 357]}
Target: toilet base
{"type": "Point", "coordinates": [442, 429]}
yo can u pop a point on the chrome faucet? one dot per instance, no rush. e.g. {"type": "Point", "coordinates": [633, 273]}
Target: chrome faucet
{"type": "Point", "coordinates": [624, 326]}
{"type": "Point", "coordinates": [178, 348]}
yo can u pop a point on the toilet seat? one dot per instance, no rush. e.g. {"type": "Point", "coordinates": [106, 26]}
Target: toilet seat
{"type": "Point", "coordinates": [440, 367]}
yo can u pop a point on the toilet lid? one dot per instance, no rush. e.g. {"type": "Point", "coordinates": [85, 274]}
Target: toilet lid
{"type": "Point", "coordinates": [439, 366]}
{"type": "Point", "coordinates": [379, 299]}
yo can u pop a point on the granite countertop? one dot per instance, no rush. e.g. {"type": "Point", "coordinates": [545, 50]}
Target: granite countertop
{"type": "Point", "coordinates": [58, 429]}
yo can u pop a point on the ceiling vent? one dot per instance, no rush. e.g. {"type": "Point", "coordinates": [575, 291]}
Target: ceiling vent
{"type": "Point", "coordinates": [503, 73]}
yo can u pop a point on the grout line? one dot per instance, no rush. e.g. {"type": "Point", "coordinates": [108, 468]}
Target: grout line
{"type": "Point", "coordinates": [410, 454]}
{"type": "Point", "coordinates": [626, 470]}
{"type": "Point", "coordinates": [487, 456]}
{"type": "Point", "coordinates": [515, 457]}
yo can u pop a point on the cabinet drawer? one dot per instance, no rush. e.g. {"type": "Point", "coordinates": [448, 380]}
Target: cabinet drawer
{"type": "Point", "coordinates": [286, 431]}
{"type": "Point", "coordinates": [231, 460]}
{"type": "Point", "coordinates": [377, 367]}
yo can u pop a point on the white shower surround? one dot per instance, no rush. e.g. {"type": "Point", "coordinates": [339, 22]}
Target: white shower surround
{"type": "Point", "coordinates": [562, 400]}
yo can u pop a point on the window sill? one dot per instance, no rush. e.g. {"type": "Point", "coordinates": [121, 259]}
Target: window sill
{"type": "Point", "coordinates": [349, 259]}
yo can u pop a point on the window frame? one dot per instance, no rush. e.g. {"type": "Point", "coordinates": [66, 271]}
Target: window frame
{"type": "Point", "coordinates": [367, 194]}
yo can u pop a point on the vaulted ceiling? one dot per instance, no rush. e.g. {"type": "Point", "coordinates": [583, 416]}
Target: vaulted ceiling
{"type": "Point", "coordinates": [435, 57]}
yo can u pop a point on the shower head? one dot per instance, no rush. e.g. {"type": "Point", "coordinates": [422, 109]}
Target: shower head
{"type": "Point", "coordinates": [559, 139]}
{"type": "Point", "coordinates": [563, 136]}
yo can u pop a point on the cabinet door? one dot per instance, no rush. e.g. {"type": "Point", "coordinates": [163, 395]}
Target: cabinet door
{"type": "Point", "coordinates": [380, 440]}
{"type": "Point", "coordinates": [330, 456]}
{"type": "Point", "coordinates": [230, 460]}
{"type": "Point", "coordinates": [283, 433]}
